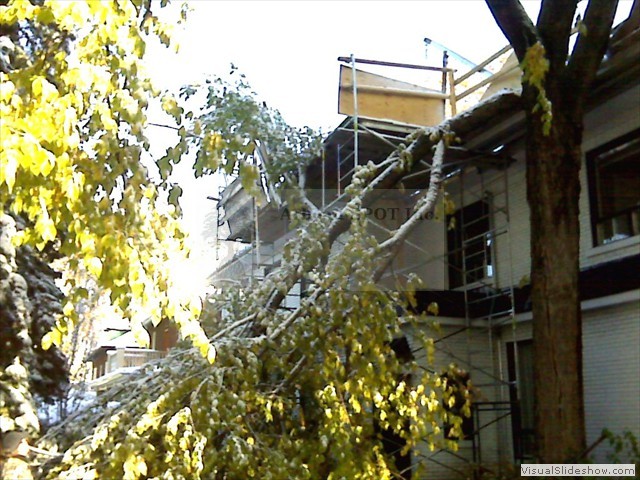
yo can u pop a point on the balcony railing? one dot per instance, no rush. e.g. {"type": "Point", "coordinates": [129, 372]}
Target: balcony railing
{"type": "Point", "coordinates": [131, 357]}
{"type": "Point", "coordinates": [121, 358]}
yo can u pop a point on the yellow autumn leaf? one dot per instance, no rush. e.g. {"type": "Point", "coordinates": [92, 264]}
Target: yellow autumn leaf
{"type": "Point", "coordinates": [211, 354]}
{"type": "Point", "coordinates": [54, 337]}
{"type": "Point", "coordinates": [47, 341]}
{"type": "Point", "coordinates": [8, 168]}
{"type": "Point", "coordinates": [94, 266]}
{"type": "Point", "coordinates": [134, 467]}
{"type": "Point", "coordinates": [68, 309]}
{"type": "Point", "coordinates": [45, 228]}
{"type": "Point", "coordinates": [170, 106]}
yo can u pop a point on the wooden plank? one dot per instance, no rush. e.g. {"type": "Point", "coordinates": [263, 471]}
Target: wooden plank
{"type": "Point", "coordinates": [480, 66]}
{"type": "Point", "coordinates": [395, 91]}
{"type": "Point", "coordinates": [384, 98]}
{"type": "Point", "coordinates": [491, 79]}
{"type": "Point", "coordinates": [453, 101]}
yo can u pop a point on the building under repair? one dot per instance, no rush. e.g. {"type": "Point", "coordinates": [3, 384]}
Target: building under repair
{"type": "Point", "coordinates": [477, 272]}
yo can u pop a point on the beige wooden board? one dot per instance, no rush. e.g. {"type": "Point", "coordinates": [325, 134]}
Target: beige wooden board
{"type": "Point", "coordinates": [384, 98]}
{"type": "Point", "coordinates": [508, 77]}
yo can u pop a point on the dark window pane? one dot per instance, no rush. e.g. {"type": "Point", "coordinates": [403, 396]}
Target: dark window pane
{"type": "Point", "coordinates": [614, 171]}
{"type": "Point", "coordinates": [521, 393]}
{"type": "Point", "coordinates": [469, 244]}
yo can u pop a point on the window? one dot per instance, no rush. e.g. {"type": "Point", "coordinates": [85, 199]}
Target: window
{"type": "Point", "coordinates": [520, 371]}
{"type": "Point", "coordinates": [469, 244]}
{"type": "Point", "coordinates": [614, 189]}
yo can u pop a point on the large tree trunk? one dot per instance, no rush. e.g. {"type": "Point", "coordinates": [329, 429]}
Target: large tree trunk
{"type": "Point", "coordinates": [553, 192]}
{"type": "Point", "coordinates": [553, 189]}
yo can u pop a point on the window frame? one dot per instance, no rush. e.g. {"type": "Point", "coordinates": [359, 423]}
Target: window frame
{"type": "Point", "coordinates": [523, 437]}
{"type": "Point", "coordinates": [592, 157]}
{"type": "Point", "coordinates": [459, 256]}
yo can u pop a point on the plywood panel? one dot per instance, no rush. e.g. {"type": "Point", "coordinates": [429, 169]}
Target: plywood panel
{"type": "Point", "coordinates": [384, 98]}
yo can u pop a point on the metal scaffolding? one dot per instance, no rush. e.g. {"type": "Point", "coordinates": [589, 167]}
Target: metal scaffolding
{"type": "Point", "coordinates": [487, 284]}
{"type": "Point", "coordinates": [485, 281]}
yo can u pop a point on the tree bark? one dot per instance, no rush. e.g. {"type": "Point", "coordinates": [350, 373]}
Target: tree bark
{"type": "Point", "coordinates": [553, 190]}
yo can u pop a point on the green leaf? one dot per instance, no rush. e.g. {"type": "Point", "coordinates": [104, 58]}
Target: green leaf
{"type": "Point", "coordinates": [164, 167]}
{"type": "Point", "coordinates": [249, 175]}
{"type": "Point", "coordinates": [170, 106]}
{"type": "Point", "coordinates": [174, 195]}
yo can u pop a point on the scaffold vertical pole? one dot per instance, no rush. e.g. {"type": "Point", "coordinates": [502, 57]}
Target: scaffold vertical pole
{"type": "Point", "coordinates": [257, 235]}
{"type": "Point", "coordinates": [339, 161]}
{"type": "Point", "coordinates": [323, 177]}
{"type": "Point", "coordinates": [355, 110]}
{"type": "Point", "coordinates": [511, 280]}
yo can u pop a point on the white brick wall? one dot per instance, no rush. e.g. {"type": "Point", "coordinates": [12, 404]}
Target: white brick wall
{"type": "Point", "coordinates": [612, 371]}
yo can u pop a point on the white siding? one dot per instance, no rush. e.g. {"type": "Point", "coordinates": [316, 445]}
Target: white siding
{"type": "Point", "coordinates": [429, 262]}
{"type": "Point", "coordinates": [508, 333]}
{"type": "Point", "coordinates": [612, 371]}
{"type": "Point", "coordinates": [603, 124]}
{"type": "Point", "coordinates": [612, 119]}
{"type": "Point", "coordinates": [518, 229]}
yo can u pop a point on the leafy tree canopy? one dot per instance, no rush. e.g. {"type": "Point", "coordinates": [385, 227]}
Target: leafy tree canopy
{"type": "Point", "coordinates": [302, 393]}
{"type": "Point", "coordinates": [73, 104]}
{"type": "Point", "coordinates": [74, 110]}
{"type": "Point", "coordinates": [293, 394]}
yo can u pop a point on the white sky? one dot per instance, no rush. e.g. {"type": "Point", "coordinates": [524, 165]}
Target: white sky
{"type": "Point", "coordinates": [288, 50]}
